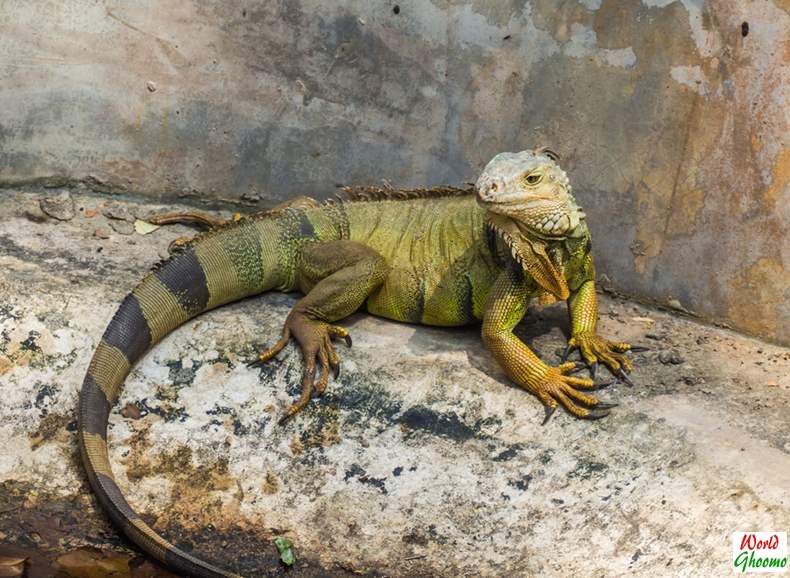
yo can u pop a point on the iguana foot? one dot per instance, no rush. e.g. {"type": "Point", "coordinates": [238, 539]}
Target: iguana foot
{"type": "Point", "coordinates": [315, 341]}
{"type": "Point", "coordinates": [198, 218]}
{"type": "Point", "coordinates": [594, 349]}
{"type": "Point", "coordinates": [558, 387]}
{"type": "Point", "coordinates": [191, 218]}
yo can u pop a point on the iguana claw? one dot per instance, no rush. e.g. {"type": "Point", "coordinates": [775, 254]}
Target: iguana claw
{"type": "Point", "coordinates": [579, 367]}
{"type": "Point", "coordinates": [606, 405]}
{"type": "Point", "coordinates": [604, 385]}
{"type": "Point", "coordinates": [549, 412]}
{"type": "Point", "coordinates": [596, 414]}
{"type": "Point", "coordinates": [622, 376]}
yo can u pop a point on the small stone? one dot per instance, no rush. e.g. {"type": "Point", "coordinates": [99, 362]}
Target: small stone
{"type": "Point", "coordinates": [119, 213]}
{"type": "Point", "coordinates": [605, 283]}
{"type": "Point", "coordinates": [151, 86]}
{"type": "Point", "coordinates": [35, 216]}
{"type": "Point", "coordinates": [670, 357]}
{"type": "Point", "coordinates": [675, 304]}
{"type": "Point", "coordinates": [654, 336]}
{"type": "Point", "coordinates": [122, 227]}
{"type": "Point", "coordinates": [251, 196]}
{"type": "Point", "coordinates": [60, 206]}
{"type": "Point", "coordinates": [101, 234]}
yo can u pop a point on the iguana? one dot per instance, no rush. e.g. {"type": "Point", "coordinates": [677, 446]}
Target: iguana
{"type": "Point", "coordinates": [444, 256]}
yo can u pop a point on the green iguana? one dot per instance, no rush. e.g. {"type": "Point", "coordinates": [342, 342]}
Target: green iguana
{"type": "Point", "coordinates": [443, 256]}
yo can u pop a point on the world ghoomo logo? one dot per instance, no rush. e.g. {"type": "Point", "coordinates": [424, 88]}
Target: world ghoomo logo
{"type": "Point", "coordinates": [759, 551]}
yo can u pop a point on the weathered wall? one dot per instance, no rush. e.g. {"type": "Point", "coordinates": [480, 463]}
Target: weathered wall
{"type": "Point", "coordinates": [673, 124]}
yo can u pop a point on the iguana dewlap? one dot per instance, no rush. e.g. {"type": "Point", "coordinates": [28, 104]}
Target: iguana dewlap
{"type": "Point", "coordinates": [437, 257]}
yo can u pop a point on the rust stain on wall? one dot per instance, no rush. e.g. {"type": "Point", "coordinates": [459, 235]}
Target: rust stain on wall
{"type": "Point", "coordinates": [780, 178]}
{"type": "Point", "coordinates": [757, 295]}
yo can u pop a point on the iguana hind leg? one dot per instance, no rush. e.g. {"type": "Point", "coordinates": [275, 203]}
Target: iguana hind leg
{"type": "Point", "coordinates": [208, 221]}
{"type": "Point", "coordinates": [191, 218]}
{"type": "Point", "coordinates": [199, 218]}
{"type": "Point", "coordinates": [336, 277]}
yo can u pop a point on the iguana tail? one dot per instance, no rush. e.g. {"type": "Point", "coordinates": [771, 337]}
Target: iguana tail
{"type": "Point", "coordinates": [224, 266]}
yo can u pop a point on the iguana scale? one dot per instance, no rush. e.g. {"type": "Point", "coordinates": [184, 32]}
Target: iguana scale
{"type": "Point", "coordinates": [438, 257]}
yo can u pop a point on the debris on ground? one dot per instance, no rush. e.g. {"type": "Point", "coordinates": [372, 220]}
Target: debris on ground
{"type": "Point", "coordinates": [144, 227]}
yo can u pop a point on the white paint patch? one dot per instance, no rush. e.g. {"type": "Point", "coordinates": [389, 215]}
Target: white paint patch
{"type": "Point", "coordinates": [591, 4]}
{"type": "Point", "coordinates": [691, 76]}
{"type": "Point", "coordinates": [620, 57]}
{"type": "Point", "coordinates": [657, 3]}
{"type": "Point", "coordinates": [583, 43]}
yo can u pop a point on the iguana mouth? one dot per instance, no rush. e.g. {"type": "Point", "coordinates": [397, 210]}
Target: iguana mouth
{"type": "Point", "coordinates": [546, 224]}
{"type": "Point", "coordinates": [545, 216]}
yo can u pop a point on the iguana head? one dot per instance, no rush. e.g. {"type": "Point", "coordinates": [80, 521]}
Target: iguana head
{"type": "Point", "coordinates": [528, 204]}
{"type": "Point", "coordinates": [530, 188]}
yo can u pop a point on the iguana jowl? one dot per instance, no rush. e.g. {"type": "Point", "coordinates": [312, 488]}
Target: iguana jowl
{"type": "Point", "coordinates": [438, 257]}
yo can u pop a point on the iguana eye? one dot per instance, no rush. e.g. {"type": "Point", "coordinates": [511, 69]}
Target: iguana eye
{"type": "Point", "coordinates": [533, 179]}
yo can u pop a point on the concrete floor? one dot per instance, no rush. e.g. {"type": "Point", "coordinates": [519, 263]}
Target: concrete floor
{"type": "Point", "coordinates": [421, 461]}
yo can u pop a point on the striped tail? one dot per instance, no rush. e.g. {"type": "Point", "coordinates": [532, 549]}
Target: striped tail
{"type": "Point", "coordinates": [223, 267]}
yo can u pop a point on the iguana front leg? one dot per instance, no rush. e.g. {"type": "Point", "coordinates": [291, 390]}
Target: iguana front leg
{"type": "Point", "coordinates": [505, 307]}
{"type": "Point", "coordinates": [583, 310]}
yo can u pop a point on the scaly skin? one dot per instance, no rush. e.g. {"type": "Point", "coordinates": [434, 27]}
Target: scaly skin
{"type": "Point", "coordinates": [438, 257]}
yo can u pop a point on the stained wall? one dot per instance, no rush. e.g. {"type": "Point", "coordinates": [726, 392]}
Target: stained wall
{"type": "Point", "coordinates": [672, 117]}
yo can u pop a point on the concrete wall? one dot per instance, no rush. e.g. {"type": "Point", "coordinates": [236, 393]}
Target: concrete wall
{"type": "Point", "coordinates": [672, 122]}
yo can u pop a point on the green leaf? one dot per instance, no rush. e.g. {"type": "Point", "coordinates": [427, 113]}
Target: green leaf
{"type": "Point", "coordinates": [285, 548]}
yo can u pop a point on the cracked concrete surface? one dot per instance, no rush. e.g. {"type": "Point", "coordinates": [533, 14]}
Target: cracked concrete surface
{"type": "Point", "coordinates": [421, 460]}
